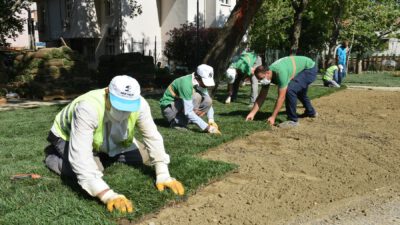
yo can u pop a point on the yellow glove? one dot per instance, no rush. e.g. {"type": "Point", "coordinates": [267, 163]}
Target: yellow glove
{"type": "Point", "coordinates": [213, 130]}
{"type": "Point", "coordinates": [172, 184]}
{"type": "Point", "coordinates": [117, 201]}
{"type": "Point", "coordinates": [214, 124]}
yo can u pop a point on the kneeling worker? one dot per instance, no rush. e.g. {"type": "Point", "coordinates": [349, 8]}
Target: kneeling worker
{"type": "Point", "coordinates": [329, 75]}
{"type": "Point", "coordinates": [187, 100]}
{"type": "Point", "coordinates": [97, 129]}
{"type": "Point", "coordinates": [292, 75]}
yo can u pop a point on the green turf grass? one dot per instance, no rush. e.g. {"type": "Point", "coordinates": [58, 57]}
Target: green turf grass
{"type": "Point", "coordinates": [381, 79]}
{"type": "Point", "coordinates": [52, 200]}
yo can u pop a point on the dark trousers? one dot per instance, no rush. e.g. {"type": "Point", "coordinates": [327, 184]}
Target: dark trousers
{"type": "Point", "coordinates": [297, 89]}
{"type": "Point", "coordinates": [57, 157]}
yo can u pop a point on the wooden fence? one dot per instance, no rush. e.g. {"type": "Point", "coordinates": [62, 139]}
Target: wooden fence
{"type": "Point", "coordinates": [376, 63]}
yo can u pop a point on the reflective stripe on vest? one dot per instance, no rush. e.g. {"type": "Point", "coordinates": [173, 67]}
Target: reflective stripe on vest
{"type": "Point", "coordinates": [96, 98]}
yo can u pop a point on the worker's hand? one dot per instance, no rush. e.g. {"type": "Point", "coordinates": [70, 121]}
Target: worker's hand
{"type": "Point", "coordinates": [117, 201]}
{"type": "Point", "coordinates": [213, 130]}
{"type": "Point", "coordinates": [250, 117]}
{"type": "Point", "coordinates": [271, 120]}
{"type": "Point", "coordinates": [213, 123]}
{"type": "Point", "coordinates": [199, 113]}
{"type": "Point", "coordinates": [172, 184]}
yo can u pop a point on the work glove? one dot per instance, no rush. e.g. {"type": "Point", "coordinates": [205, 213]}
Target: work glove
{"type": "Point", "coordinates": [213, 130]}
{"type": "Point", "coordinates": [212, 123]}
{"type": "Point", "coordinates": [117, 201]}
{"type": "Point", "coordinates": [170, 183]}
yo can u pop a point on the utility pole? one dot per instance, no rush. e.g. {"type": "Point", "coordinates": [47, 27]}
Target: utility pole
{"type": "Point", "coordinates": [197, 34]}
{"type": "Point", "coordinates": [31, 30]}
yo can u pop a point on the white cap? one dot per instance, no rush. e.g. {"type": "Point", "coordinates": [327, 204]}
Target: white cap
{"type": "Point", "coordinates": [124, 93]}
{"type": "Point", "coordinates": [231, 75]}
{"type": "Point", "coordinates": [206, 73]}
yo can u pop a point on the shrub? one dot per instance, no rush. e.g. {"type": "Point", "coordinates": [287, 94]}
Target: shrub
{"type": "Point", "coordinates": [182, 47]}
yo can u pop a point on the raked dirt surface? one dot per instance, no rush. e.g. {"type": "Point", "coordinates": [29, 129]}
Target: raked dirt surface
{"type": "Point", "coordinates": [340, 168]}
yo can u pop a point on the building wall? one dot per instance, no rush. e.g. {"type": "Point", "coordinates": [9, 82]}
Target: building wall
{"type": "Point", "coordinates": [23, 39]}
{"type": "Point", "coordinates": [136, 35]}
{"type": "Point", "coordinates": [222, 12]}
{"type": "Point", "coordinates": [173, 14]}
{"type": "Point", "coordinates": [393, 48]}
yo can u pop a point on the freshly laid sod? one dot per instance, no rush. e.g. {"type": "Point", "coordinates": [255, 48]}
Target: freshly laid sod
{"type": "Point", "coordinates": [51, 200]}
{"type": "Point", "coordinates": [381, 79]}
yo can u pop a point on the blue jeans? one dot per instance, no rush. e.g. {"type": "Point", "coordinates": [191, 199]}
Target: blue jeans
{"type": "Point", "coordinates": [340, 75]}
{"type": "Point", "coordinates": [297, 89]}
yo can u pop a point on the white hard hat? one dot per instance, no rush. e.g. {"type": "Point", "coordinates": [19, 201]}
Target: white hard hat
{"type": "Point", "coordinates": [231, 75]}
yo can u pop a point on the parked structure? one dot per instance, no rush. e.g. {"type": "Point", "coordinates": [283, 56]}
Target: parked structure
{"type": "Point", "coordinates": [98, 27]}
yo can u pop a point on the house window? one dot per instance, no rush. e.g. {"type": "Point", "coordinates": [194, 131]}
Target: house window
{"type": "Point", "coordinates": [110, 45]}
{"type": "Point", "coordinates": [109, 7]}
{"type": "Point", "coordinates": [225, 2]}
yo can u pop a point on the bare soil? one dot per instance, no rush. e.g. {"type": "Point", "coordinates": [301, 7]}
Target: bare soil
{"type": "Point", "coordinates": [340, 168]}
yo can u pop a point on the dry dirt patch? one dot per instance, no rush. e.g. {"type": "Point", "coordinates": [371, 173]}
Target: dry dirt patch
{"type": "Point", "coordinates": [340, 168]}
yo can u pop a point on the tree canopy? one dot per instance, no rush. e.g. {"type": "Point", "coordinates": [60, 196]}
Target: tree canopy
{"type": "Point", "coordinates": [324, 24]}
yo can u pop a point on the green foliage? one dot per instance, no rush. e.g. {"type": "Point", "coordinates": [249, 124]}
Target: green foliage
{"type": "Point", "coordinates": [52, 200]}
{"type": "Point", "coordinates": [368, 22]}
{"type": "Point", "coordinates": [271, 25]}
{"type": "Point", "coordinates": [11, 23]}
{"type": "Point", "coordinates": [365, 21]}
{"type": "Point", "coordinates": [181, 46]}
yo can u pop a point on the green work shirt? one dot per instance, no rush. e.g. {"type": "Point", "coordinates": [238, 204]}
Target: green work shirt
{"type": "Point", "coordinates": [329, 72]}
{"type": "Point", "coordinates": [286, 71]}
{"type": "Point", "coordinates": [181, 87]}
{"type": "Point", "coordinates": [245, 63]}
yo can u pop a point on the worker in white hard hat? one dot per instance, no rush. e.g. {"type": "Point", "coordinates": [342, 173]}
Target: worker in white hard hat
{"type": "Point", "coordinates": [97, 129]}
{"type": "Point", "coordinates": [186, 100]}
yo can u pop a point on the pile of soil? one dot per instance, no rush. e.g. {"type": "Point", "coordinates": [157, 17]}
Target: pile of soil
{"type": "Point", "coordinates": [340, 168]}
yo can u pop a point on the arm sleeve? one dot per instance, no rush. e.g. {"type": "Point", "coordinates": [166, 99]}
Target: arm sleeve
{"type": "Point", "coordinates": [84, 122]}
{"type": "Point", "coordinates": [191, 115]}
{"type": "Point", "coordinates": [152, 139]}
{"type": "Point", "coordinates": [210, 113]}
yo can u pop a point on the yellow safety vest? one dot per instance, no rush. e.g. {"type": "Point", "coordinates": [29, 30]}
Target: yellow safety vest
{"type": "Point", "coordinates": [97, 98]}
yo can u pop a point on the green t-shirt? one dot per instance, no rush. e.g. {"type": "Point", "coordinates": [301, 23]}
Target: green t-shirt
{"type": "Point", "coordinates": [285, 70]}
{"type": "Point", "coordinates": [181, 87]}
{"type": "Point", "coordinates": [329, 72]}
{"type": "Point", "coordinates": [245, 63]}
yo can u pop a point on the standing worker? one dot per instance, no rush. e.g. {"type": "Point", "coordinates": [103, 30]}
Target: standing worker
{"type": "Point", "coordinates": [97, 129]}
{"type": "Point", "coordinates": [240, 69]}
{"type": "Point", "coordinates": [187, 100]}
{"type": "Point", "coordinates": [292, 75]}
{"type": "Point", "coordinates": [341, 60]}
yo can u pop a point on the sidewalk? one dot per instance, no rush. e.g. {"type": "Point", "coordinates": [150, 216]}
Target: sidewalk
{"type": "Point", "coordinates": [13, 104]}
{"type": "Point", "coordinates": [28, 104]}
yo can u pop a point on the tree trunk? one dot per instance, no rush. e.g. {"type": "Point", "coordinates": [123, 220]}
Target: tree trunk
{"type": "Point", "coordinates": [337, 22]}
{"type": "Point", "coordinates": [299, 6]}
{"type": "Point", "coordinates": [230, 36]}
